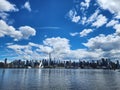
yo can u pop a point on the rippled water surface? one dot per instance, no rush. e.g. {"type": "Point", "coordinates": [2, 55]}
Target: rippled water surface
{"type": "Point", "coordinates": [59, 79]}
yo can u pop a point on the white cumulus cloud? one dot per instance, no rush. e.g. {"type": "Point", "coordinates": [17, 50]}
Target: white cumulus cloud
{"type": "Point", "coordinates": [5, 29]}
{"type": "Point", "coordinates": [112, 5]}
{"type": "Point", "coordinates": [112, 23]}
{"type": "Point", "coordinates": [24, 32]}
{"type": "Point", "coordinates": [93, 16]}
{"type": "Point", "coordinates": [106, 43]}
{"type": "Point", "coordinates": [7, 6]}
{"type": "Point", "coordinates": [72, 14]}
{"type": "Point", "coordinates": [117, 28]}
{"type": "Point", "coordinates": [108, 46]}
{"type": "Point", "coordinates": [84, 54]}
{"type": "Point", "coordinates": [74, 34]}
{"type": "Point", "coordinates": [27, 31]}
{"type": "Point", "coordinates": [3, 15]}
{"type": "Point", "coordinates": [85, 4]}
{"type": "Point", "coordinates": [85, 32]}
{"type": "Point", "coordinates": [57, 46]}
{"type": "Point", "coordinates": [27, 6]}
{"type": "Point", "coordinates": [100, 21]}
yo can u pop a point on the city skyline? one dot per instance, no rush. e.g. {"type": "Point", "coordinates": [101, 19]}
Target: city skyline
{"type": "Point", "coordinates": [66, 29]}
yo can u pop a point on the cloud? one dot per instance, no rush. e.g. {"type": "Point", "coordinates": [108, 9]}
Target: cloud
{"type": "Point", "coordinates": [83, 54]}
{"type": "Point", "coordinates": [85, 32]}
{"type": "Point", "coordinates": [24, 32]}
{"type": "Point", "coordinates": [23, 51]}
{"type": "Point", "coordinates": [102, 45]}
{"type": "Point", "coordinates": [112, 6]}
{"type": "Point", "coordinates": [76, 19]}
{"type": "Point", "coordinates": [117, 28]}
{"type": "Point", "coordinates": [78, 13]}
{"type": "Point", "coordinates": [33, 44]}
{"type": "Point", "coordinates": [80, 16]}
{"type": "Point", "coordinates": [83, 20]}
{"type": "Point", "coordinates": [9, 43]}
{"type": "Point", "coordinates": [108, 46]}
{"type": "Point", "coordinates": [84, 7]}
{"type": "Point", "coordinates": [74, 34]}
{"type": "Point", "coordinates": [18, 48]}
{"type": "Point", "coordinates": [53, 28]}
{"type": "Point", "coordinates": [45, 49]}
{"type": "Point", "coordinates": [72, 14]}
{"type": "Point", "coordinates": [98, 47]}
{"type": "Point", "coordinates": [112, 23]}
{"type": "Point", "coordinates": [116, 25]}
{"type": "Point", "coordinates": [31, 51]}
{"type": "Point", "coordinates": [105, 43]}
{"type": "Point", "coordinates": [27, 6]}
{"type": "Point", "coordinates": [3, 15]}
{"type": "Point", "coordinates": [85, 4]}
{"type": "Point", "coordinates": [57, 46]}
{"type": "Point", "coordinates": [93, 16]}
{"type": "Point", "coordinates": [100, 21]}
{"type": "Point", "coordinates": [8, 30]}
{"type": "Point", "coordinates": [6, 6]}
{"type": "Point", "coordinates": [96, 19]}
{"type": "Point", "coordinates": [27, 31]}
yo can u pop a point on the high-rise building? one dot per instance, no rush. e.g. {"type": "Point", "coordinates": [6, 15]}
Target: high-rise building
{"type": "Point", "coordinates": [5, 62]}
{"type": "Point", "coordinates": [49, 62]}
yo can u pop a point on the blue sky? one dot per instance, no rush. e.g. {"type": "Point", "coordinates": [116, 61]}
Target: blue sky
{"type": "Point", "coordinates": [68, 29]}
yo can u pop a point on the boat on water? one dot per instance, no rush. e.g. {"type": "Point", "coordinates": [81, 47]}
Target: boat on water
{"type": "Point", "coordinates": [40, 65]}
{"type": "Point", "coordinates": [29, 67]}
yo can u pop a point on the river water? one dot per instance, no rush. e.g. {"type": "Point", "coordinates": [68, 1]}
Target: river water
{"type": "Point", "coordinates": [59, 79]}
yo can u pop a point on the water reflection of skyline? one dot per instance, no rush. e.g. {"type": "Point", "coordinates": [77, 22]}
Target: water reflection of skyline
{"type": "Point", "coordinates": [59, 79]}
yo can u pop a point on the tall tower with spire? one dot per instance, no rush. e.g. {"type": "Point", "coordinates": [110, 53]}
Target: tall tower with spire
{"type": "Point", "coordinates": [49, 62]}
{"type": "Point", "coordinates": [5, 62]}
